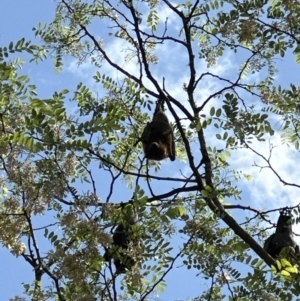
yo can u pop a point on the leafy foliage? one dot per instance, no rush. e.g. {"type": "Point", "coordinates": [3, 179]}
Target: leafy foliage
{"type": "Point", "coordinates": [83, 172]}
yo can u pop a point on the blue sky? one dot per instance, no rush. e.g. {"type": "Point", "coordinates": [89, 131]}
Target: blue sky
{"type": "Point", "coordinates": [18, 17]}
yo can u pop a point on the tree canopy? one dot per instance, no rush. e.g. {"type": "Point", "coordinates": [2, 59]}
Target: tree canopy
{"type": "Point", "coordinates": [73, 168]}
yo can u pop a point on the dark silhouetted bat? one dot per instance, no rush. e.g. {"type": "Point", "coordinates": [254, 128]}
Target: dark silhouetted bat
{"type": "Point", "coordinates": [158, 137]}
{"type": "Point", "coordinates": [283, 237]}
{"type": "Point", "coordinates": [118, 251]}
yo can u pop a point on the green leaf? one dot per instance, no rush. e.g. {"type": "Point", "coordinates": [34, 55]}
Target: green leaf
{"type": "Point", "coordinates": [285, 273]}
{"type": "Point", "coordinates": [279, 267]}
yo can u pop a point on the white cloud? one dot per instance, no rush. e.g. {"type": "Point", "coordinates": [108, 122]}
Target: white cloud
{"type": "Point", "coordinates": [266, 189]}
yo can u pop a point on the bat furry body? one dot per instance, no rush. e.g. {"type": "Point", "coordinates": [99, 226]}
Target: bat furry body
{"type": "Point", "coordinates": [283, 237]}
{"type": "Point", "coordinates": [158, 137]}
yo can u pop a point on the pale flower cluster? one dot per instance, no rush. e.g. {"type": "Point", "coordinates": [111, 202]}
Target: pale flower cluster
{"type": "Point", "coordinates": [91, 199]}
{"type": "Point", "coordinates": [56, 131]}
{"type": "Point", "coordinates": [10, 233]}
{"type": "Point", "coordinates": [18, 248]}
{"type": "Point", "coordinates": [12, 204]}
{"type": "Point", "coordinates": [69, 219]}
{"type": "Point", "coordinates": [223, 278]}
{"type": "Point", "coordinates": [11, 241]}
{"type": "Point", "coordinates": [22, 176]}
{"type": "Point", "coordinates": [12, 224]}
{"type": "Point", "coordinates": [269, 297]}
{"type": "Point", "coordinates": [70, 164]}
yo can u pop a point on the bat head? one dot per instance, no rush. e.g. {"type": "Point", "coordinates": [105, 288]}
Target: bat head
{"type": "Point", "coordinates": [284, 223]}
{"type": "Point", "coordinates": [156, 151]}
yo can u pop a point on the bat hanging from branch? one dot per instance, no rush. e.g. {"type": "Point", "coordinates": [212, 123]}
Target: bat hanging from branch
{"type": "Point", "coordinates": [122, 238]}
{"type": "Point", "coordinates": [283, 237]}
{"type": "Point", "coordinates": [158, 137]}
